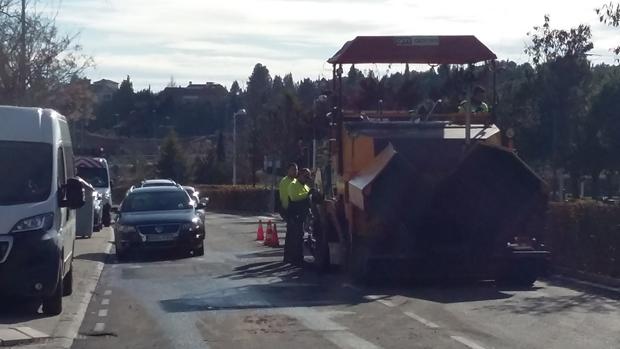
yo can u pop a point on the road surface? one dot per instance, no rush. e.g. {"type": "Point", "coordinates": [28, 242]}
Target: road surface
{"type": "Point", "coordinates": [239, 295]}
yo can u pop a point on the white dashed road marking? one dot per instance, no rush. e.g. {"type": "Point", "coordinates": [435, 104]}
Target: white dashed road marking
{"type": "Point", "coordinates": [107, 293]}
{"type": "Point", "coordinates": [105, 301]}
{"type": "Point", "coordinates": [421, 320]}
{"type": "Point", "coordinates": [468, 343]}
{"type": "Point", "coordinates": [103, 313]}
{"type": "Point", "coordinates": [99, 327]}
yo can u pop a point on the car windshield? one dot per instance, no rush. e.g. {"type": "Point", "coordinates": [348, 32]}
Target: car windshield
{"type": "Point", "coordinates": [29, 179]}
{"type": "Point", "coordinates": [156, 201]}
{"type": "Point", "coordinates": [97, 177]}
{"type": "Point", "coordinates": [190, 191]}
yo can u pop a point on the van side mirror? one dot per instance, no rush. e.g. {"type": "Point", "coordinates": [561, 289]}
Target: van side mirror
{"type": "Point", "coordinates": [72, 194]}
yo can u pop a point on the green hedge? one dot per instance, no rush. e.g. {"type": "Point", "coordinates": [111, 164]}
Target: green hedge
{"type": "Point", "coordinates": [236, 198]}
{"type": "Point", "coordinates": [585, 236]}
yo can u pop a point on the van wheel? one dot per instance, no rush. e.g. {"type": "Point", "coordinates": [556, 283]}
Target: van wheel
{"type": "Point", "coordinates": [67, 282]}
{"type": "Point", "coordinates": [52, 305]}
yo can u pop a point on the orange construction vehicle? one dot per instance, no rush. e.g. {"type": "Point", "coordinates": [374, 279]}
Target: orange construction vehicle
{"type": "Point", "coordinates": [437, 196]}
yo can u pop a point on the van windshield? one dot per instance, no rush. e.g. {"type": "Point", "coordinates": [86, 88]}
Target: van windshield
{"type": "Point", "coordinates": [27, 168]}
{"type": "Point", "coordinates": [96, 176]}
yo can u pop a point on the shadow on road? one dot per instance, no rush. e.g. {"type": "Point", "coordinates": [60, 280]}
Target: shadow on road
{"type": "Point", "coordinates": [584, 302]}
{"type": "Point", "coordinates": [151, 255]}
{"type": "Point", "coordinates": [296, 288]}
{"type": "Point", "coordinates": [95, 257]}
{"type": "Point", "coordinates": [270, 253]}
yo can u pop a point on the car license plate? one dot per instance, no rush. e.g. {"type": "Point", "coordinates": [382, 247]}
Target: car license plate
{"type": "Point", "coordinates": [161, 237]}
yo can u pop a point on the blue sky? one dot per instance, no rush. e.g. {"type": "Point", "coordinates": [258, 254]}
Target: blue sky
{"type": "Point", "coordinates": [221, 40]}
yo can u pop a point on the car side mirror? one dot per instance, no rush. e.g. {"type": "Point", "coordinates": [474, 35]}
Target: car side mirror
{"type": "Point", "coordinates": [72, 194]}
{"type": "Point", "coordinates": [111, 183]}
{"type": "Point", "coordinates": [203, 203]}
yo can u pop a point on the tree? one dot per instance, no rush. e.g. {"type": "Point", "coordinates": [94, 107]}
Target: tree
{"type": "Point", "coordinates": [50, 61]}
{"type": "Point", "coordinates": [610, 14]}
{"type": "Point", "coordinates": [172, 163]}
{"type": "Point", "coordinates": [258, 95]}
{"type": "Point", "coordinates": [563, 78]}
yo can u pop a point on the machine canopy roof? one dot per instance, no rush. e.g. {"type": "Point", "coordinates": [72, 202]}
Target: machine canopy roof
{"type": "Point", "coordinates": [462, 49]}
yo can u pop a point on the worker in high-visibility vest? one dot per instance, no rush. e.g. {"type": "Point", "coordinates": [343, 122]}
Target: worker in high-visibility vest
{"type": "Point", "coordinates": [477, 102]}
{"type": "Point", "coordinates": [291, 176]}
{"type": "Point", "coordinates": [298, 207]}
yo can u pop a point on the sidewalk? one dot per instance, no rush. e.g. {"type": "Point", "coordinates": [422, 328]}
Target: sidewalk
{"type": "Point", "coordinates": [24, 327]}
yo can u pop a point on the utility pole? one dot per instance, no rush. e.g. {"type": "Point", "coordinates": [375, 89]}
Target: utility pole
{"type": "Point", "coordinates": [21, 90]}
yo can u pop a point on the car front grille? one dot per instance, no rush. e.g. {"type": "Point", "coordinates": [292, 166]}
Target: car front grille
{"type": "Point", "coordinates": [159, 229]}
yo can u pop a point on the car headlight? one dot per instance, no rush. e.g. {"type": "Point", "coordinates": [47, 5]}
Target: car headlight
{"type": "Point", "coordinates": [193, 226]}
{"type": "Point", "coordinates": [40, 222]}
{"type": "Point", "coordinates": [125, 229]}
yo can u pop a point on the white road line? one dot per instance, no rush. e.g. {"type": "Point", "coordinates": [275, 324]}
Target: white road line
{"type": "Point", "coordinates": [347, 340]}
{"type": "Point", "coordinates": [382, 300]}
{"type": "Point", "coordinates": [105, 301]}
{"type": "Point", "coordinates": [103, 313]}
{"type": "Point", "coordinates": [71, 330]}
{"type": "Point", "coordinates": [466, 342]}
{"type": "Point", "coordinates": [99, 327]}
{"type": "Point", "coordinates": [422, 320]}
{"type": "Point", "coordinates": [107, 293]}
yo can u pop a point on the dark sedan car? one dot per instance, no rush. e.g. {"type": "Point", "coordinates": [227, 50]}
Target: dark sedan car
{"type": "Point", "coordinates": [162, 217]}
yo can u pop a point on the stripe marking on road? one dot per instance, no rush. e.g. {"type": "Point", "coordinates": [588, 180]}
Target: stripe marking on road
{"type": "Point", "coordinates": [382, 300]}
{"type": "Point", "coordinates": [107, 293]}
{"type": "Point", "coordinates": [105, 301]}
{"type": "Point", "coordinates": [99, 327]}
{"type": "Point", "coordinates": [103, 313]}
{"type": "Point", "coordinates": [421, 320]}
{"type": "Point", "coordinates": [466, 342]}
{"type": "Point", "coordinates": [347, 340]}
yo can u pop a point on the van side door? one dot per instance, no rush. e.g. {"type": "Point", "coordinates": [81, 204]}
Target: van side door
{"type": "Point", "coordinates": [67, 216]}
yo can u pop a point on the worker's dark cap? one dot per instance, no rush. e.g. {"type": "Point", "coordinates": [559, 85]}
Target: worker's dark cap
{"type": "Point", "coordinates": [479, 89]}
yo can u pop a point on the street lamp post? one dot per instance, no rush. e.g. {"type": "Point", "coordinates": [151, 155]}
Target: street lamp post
{"type": "Point", "coordinates": [240, 112]}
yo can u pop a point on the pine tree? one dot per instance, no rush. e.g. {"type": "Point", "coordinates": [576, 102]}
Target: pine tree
{"type": "Point", "coordinates": [172, 163]}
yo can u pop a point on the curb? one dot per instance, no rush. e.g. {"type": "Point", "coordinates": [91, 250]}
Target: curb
{"type": "Point", "coordinates": [20, 335]}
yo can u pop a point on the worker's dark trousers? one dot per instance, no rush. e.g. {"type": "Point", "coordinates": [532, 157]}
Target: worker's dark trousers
{"type": "Point", "coordinates": [293, 245]}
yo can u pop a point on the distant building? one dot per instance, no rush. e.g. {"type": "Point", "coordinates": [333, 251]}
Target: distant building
{"type": "Point", "coordinates": [194, 93]}
{"type": "Point", "coordinates": [104, 90]}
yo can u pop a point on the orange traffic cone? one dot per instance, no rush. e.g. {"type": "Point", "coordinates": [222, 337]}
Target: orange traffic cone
{"type": "Point", "coordinates": [275, 239]}
{"type": "Point", "coordinates": [260, 233]}
{"type": "Point", "coordinates": [269, 234]}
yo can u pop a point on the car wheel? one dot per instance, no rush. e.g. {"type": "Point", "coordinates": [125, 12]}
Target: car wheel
{"type": "Point", "coordinates": [67, 282]}
{"type": "Point", "coordinates": [52, 305]}
{"type": "Point", "coordinates": [121, 254]}
{"type": "Point", "coordinates": [106, 218]}
{"type": "Point", "coordinates": [200, 251]}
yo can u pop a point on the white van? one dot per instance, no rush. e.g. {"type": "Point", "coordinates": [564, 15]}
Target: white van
{"type": "Point", "coordinates": [96, 172]}
{"type": "Point", "coordinates": [38, 198]}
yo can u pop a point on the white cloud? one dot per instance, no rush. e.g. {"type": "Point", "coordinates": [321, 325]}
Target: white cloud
{"type": "Point", "coordinates": [221, 40]}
